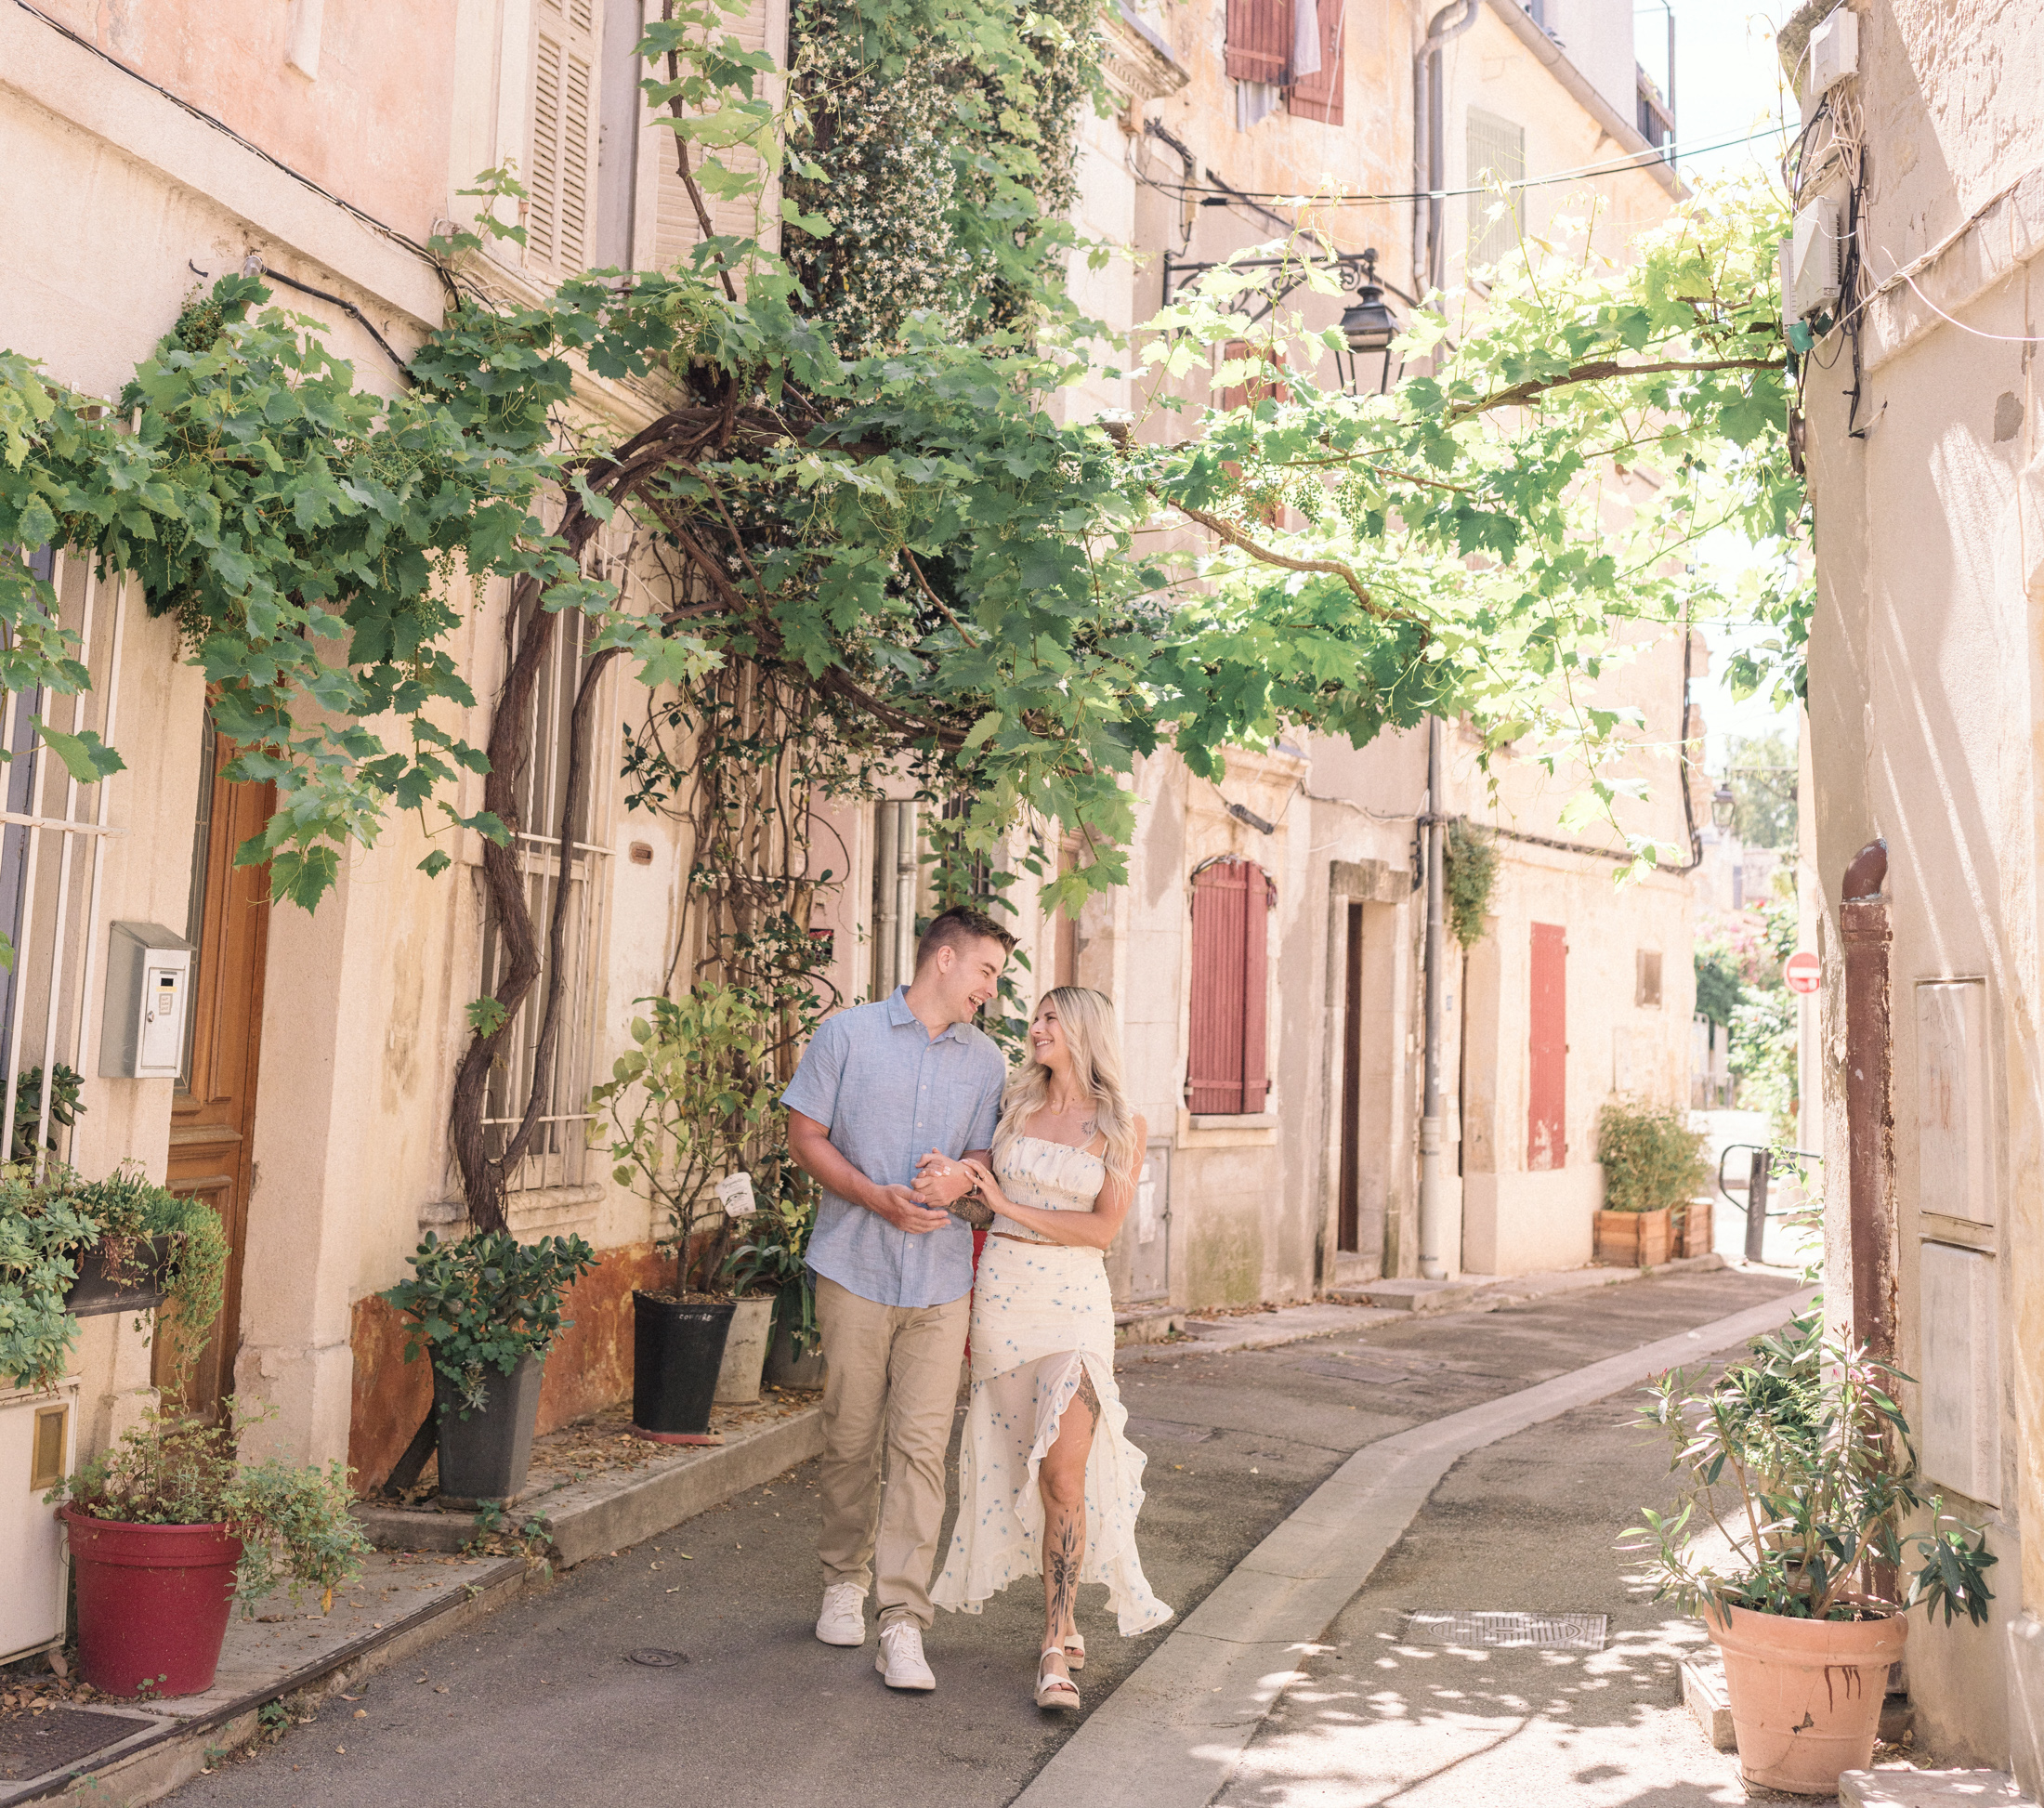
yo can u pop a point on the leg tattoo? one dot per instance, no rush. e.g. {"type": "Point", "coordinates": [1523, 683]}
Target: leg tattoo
{"type": "Point", "coordinates": [1088, 1396]}
{"type": "Point", "coordinates": [1061, 1571]}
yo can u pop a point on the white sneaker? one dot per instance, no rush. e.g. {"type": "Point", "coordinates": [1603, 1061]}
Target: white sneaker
{"type": "Point", "coordinates": [843, 1621]}
{"type": "Point", "coordinates": [901, 1660]}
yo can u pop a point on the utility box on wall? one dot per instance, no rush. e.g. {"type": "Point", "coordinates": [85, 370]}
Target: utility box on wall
{"type": "Point", "coordinates": [149, 986]}
{"type": "Point", "coordinates": [38, 1442]}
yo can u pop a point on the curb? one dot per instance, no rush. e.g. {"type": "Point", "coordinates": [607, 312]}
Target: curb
{"type": "Point", "coordinates": [595, 1517]}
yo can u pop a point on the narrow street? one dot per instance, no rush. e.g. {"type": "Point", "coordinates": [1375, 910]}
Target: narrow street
{"type": "Point", "coordinates": [542, 1703]}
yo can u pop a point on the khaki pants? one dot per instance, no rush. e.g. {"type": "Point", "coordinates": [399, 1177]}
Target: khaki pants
{"type": "Point", "coordinates": [892, 1382]}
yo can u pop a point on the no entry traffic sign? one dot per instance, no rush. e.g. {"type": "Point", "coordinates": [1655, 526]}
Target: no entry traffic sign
{"type": "Point", "coordinates": [1800, 971]}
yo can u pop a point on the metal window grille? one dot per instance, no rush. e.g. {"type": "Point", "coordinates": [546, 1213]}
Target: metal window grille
{"type": "Point", "coordinates": [54, 832]}
{"type": "Point", "coordinates": [1496, 153]}
{"type": "Point", "coordinates": [557, 1155]}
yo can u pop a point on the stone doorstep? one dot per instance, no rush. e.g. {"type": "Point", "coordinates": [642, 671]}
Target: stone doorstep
{"type": "Point", "coordinates": [1704, 1695]}
{"type": "Point", "coordinates": [1897, 1786]}
{"type": "Point", "coordinates": [1147, 1324]}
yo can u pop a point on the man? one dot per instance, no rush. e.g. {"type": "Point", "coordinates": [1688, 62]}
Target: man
{"type": "Point", "coordinates": [879, 1089]}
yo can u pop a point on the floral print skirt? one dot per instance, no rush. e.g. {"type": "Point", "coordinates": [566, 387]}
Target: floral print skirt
{"type": "Point", "coordinates": [1043, 1317]}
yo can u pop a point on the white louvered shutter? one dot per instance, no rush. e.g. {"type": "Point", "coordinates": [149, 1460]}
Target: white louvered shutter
{"type": "Point", "coordinates": [676, 230]}
{"type": "Point", "coordinates": [563, 181]}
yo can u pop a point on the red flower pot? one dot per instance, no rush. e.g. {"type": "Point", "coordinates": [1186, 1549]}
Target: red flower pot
{"type": "Point", "coordinates": [152, 1603]}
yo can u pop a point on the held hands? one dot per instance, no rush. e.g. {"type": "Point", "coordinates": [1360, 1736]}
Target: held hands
{"type": "Point", "coordinates": [952, 1184]}
{"type": "Point", "coordinates": [901, 1207]}
{"type": "Point", "coordinates": [989, 1188]}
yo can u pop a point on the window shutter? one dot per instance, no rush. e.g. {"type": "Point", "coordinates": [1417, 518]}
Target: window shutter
{"type": "Point", "coordinates": [1229, 1072]}
{"type": "Point", "coordinates": [1547, 1066]}
{"type": "Point", "coordinates": [676, 230]}
{"type": "Point", "coordinates": [1259, 46]}
{"type": "Point", "coordinates": [562, 185]}
{"type": "Point", "coordinates": [1319, 95]}
{"type": "Point", "coordinates": [1496, 153]}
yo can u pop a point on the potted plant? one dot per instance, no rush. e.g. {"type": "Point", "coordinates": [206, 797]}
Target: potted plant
{"type": "Point", "coordinates": [1653, 1167]}
{"type": "Point", "coordinates": [774, 1254]}
{"type": "Point", "coordinates": [72, 1248]}
{"type": "Point", "coordinates": [688, 1104]}
{"type": "Point", "coordinates": [488, 1308]}
{"type": "Point", "coordinates": [169, 1528]}
{"type": "Point", "coordinates": [1791, 1540]}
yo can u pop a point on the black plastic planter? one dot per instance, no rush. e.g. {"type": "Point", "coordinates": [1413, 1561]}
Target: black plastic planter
{"type": "Point", "coordinates": [676, 1352]}
{"type": "Point", "coordinates": [128, 1283]}
{"type": "Point", "coordinates": [484, 1456]}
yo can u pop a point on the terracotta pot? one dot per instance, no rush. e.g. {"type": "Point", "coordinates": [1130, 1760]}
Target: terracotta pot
{"type": "Point", "coordinates": [1805, 1694]}
{"type": "Point", "coordinates": [152, 1603]}
{"type": "Point", "coordinates": [1633, 1240]}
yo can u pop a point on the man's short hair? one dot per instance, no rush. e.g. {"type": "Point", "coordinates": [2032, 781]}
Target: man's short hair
{"type": "Point", "coordinates": [958, 926]}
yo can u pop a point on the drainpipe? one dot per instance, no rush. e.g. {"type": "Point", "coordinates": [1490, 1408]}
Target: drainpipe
{"type": "Point", "coordinates": [1869, 1125]}
{"type": "Point", "coordinates": [1437, 1261]}
{"type": "Point", "coordinates": [1429, 143]}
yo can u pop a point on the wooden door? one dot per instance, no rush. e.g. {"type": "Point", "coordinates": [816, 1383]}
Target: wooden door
{"type": "Point", "coordinates": [1547, 1067]}
{"type": "Point", "coordinates": [213, 1112]}
{"type": "Point", "coordinates": [1349, 1224]}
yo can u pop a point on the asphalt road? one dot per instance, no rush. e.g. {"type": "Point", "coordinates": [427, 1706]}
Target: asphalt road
{"type": "Point", "coordinates": [541, 1703]}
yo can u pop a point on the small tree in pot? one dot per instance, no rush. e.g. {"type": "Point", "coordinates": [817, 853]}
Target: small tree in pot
{"type": "Point", "coordinates": [1653, 1167]}
{"type": "Point", "coordinates": [1793, 1543]}
{"type": "Point", "coordinates": [689, 1103]}
{"type": "Point", "coordinates": [488, 1308]}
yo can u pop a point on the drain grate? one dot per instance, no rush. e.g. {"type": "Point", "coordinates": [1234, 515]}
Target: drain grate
{"type": "Point", "coordinates": [1507, 1632]}
{"type": "Point", "coordinates": [33, 1745]}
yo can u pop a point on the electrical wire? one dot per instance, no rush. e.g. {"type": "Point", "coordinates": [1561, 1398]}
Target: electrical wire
{"type": "Point", "coordinates": [221, 127]}
{"type": "Point", "coordinates": [1224, 195]}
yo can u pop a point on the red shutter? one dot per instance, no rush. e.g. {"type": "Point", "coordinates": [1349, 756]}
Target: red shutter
{"type": "Point", "coordinates": [1547, 1068]}
{"type": "Point", "coordinates": [1319, 95]}
{"type": "Point", "coordinates": [1228, 1070]}
{"type": "Point", "coordinates": [1255, 990]}
{"type": "Point", "coordinates": [1259, 47]}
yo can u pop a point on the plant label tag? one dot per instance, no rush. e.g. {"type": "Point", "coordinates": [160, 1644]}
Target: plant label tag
{"type": "Point", "coordinates": [734, 1194]}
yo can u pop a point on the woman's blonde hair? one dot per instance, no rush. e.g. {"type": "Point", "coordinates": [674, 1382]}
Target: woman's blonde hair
{"type": "Point", "coordinates": [1094, 1040]}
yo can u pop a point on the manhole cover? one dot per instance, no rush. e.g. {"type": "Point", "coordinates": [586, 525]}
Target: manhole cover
{"type": "Point", "coordinates": [33, 1745]}
{"type": "Point", "coordinates": [1168, 1429]}
{"type": "Point", "coordinates": [1507, 1632]}
{"type": "Point", "coordinates": [655, 1658]}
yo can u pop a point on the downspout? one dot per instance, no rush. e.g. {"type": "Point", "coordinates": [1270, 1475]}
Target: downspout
{"type": "Point", "coordinates": [1869, 1126]}
{"type": "Point", "coordinates": [1437, 1261]}
{"type": "Point", "coordinates": [1429, 144]}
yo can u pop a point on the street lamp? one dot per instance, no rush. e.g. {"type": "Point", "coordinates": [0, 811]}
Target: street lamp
{"type": "Point", "coordinates": [1368, 326]}
{"type": "Point", "coordinates": [1724, 805]}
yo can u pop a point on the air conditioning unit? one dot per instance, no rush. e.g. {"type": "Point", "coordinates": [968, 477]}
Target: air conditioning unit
{"type": "Point", "coordinates": [1833, 54]}
{"type": "Point", "coordinates": [1809, 260]}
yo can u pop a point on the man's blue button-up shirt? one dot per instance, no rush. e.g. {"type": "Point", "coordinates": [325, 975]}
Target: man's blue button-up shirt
{"type": "Point", "coordinates": [889, 1092]}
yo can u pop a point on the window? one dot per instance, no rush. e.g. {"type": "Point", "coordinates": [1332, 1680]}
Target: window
{"type": "Point", "coordinates": [676, 230]}
{"type": "Point", "coordinates": [897, 873]}
{"type": "Point", "coordinates": [1547, 1051]}
{"type": "Point", "coordinates": [554, 1156]}
{"type": "Point", "coordinates": [1259, 42]}
{"type": "Point", "coordinates": [1496, 153]}
{"type": "Point", "coordinates": [1229, 1073]}
{"type": "Point", "coordinates": [560, 213]}
{"type": "Point", "coordinates": [1646, 983]}
{"type": "Point", "coordinates": [1318, 95]}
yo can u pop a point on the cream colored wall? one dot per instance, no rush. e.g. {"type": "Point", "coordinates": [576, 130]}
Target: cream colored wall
{"type": "Point", "coordinates": [1924, 705]}
{"type": "Point", "coordinates": [1490, 69]}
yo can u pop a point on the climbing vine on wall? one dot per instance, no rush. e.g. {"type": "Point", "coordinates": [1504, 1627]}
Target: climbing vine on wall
{"type": "Point", "coordinates": [869, 503]}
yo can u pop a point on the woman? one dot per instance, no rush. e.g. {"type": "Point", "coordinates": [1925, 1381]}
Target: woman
{"type": "Point", "coordinates": [1046, 1478]}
